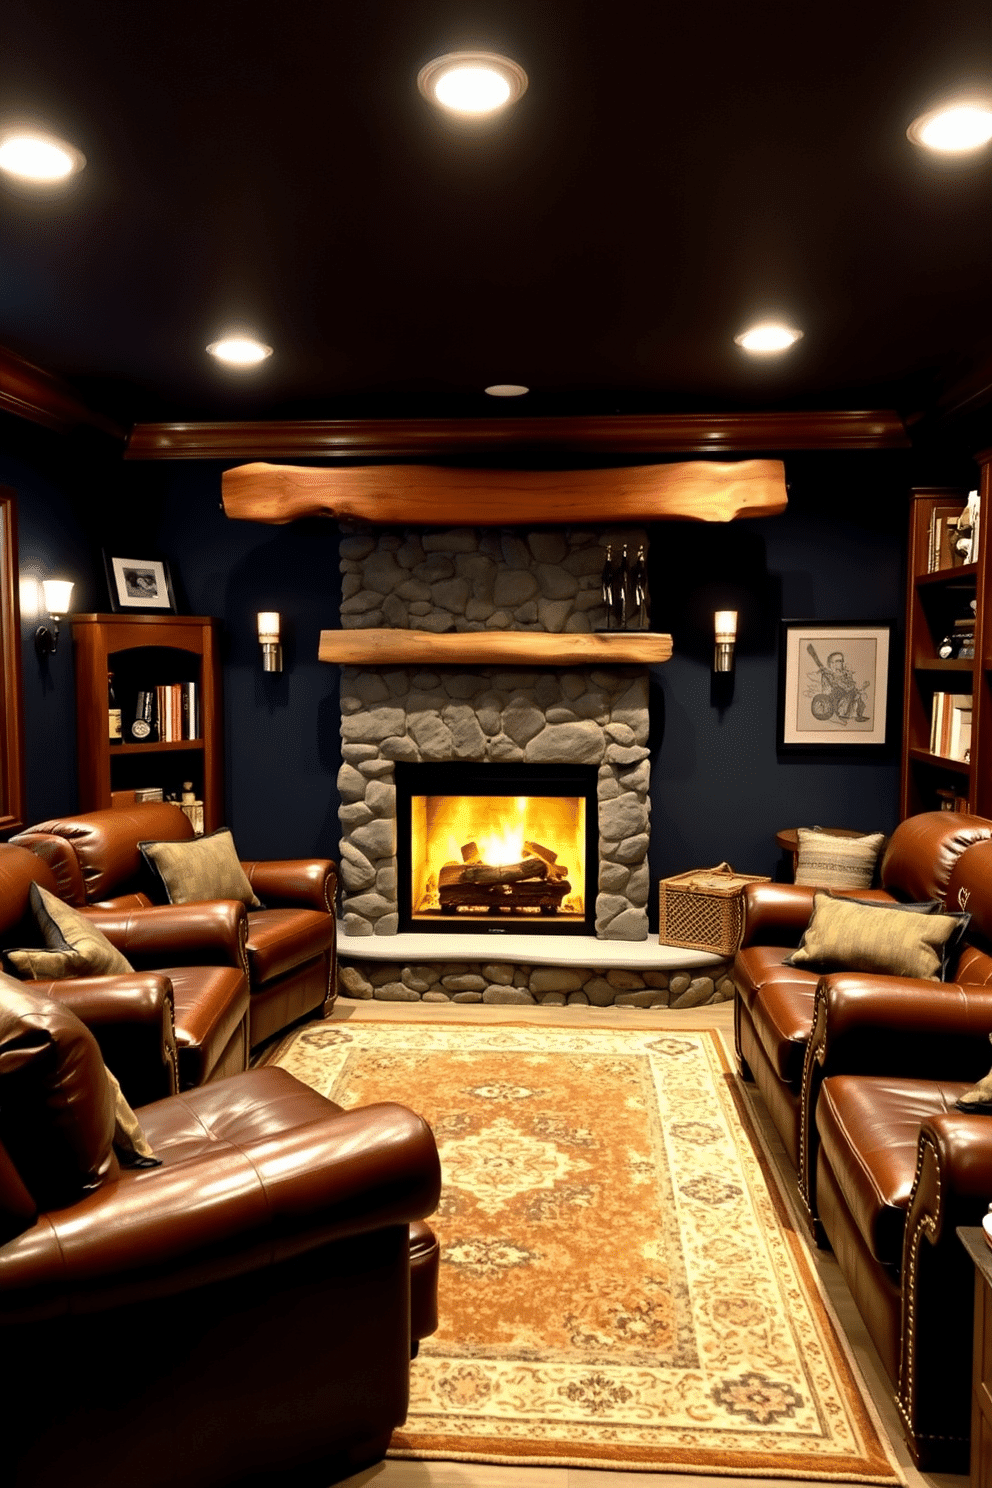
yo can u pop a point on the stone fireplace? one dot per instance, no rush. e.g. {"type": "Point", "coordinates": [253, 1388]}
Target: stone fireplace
{"type": "Point", "coordinates": [552, 720]}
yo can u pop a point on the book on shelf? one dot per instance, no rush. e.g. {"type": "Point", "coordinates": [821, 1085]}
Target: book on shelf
{"type": "Point", "coordinates": [148, 793]}
{"type": "Point", "coordinates": [950, 725]}
{"type": "Point", "coordinates": [950, 800]}
{"type": "Point", "coordinates": [177, 706]}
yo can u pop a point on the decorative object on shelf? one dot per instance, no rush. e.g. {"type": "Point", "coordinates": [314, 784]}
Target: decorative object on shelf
{"type": "Point", "coordinates": [625, 589]}
{"type": "Point", "coordinates": [269, 623]}
{"type": "Point", "coordinates": [192, 807]}
{"type": "Point", "coordinates": [57, 594]}
{"type": "Point", "coordinates": [725, 637]}
{"type": "Point", "coordinates": [143, 727]}
{"type": "Point", "coordinates": [114, 731]}
{"type": "Point", "coordinates": [139, 584]}
{"type": "Point", "coordinates": [834, 684]}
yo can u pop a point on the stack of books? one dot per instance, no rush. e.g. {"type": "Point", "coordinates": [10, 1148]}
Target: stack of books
{"type": "Point", "coordinates": [950, 725]}
{"type": "Point", "coordinates": [949, 527]}
{"type": "Point", "coordinates": [167, 713]}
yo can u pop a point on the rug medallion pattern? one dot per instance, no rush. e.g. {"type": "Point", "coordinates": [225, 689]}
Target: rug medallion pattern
{"type": "Point", "coordinates": [621, 1285]}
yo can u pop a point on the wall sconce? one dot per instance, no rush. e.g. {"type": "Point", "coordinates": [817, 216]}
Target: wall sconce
{"type": "Point", "coordinates": [268, 635]}
{"type": "Point", "coordinates": [725, 629]}
{"type": "Point", "coordinates": [57, 594]}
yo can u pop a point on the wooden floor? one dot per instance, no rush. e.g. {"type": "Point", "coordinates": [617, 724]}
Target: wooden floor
{"type": "Point", "coordinates": [480, 1475]}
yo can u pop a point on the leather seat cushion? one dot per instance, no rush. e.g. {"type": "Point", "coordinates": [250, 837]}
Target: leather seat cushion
{"type": "Point", "coordinates": [869, 1126]}
{"type": "Point", "coordinates": [782, 1014]}
{"type": "Point", "coordinates": [758, 966]}
{"type": "Point", "coordinates": [210, 1003]}
{"type": "Point", "coordinates": [280, 940]}
{"type": "Point", "coordinates": [236, 1111]}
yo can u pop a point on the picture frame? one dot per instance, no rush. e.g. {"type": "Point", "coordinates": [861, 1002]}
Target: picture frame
{"type": "Point", "coordinates": [834, 685]}
{"type": "Point", "coordinates": [139, 585]}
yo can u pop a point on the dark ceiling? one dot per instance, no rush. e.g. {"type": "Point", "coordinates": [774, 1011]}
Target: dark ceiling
{"type": "Point", "coordinates": [670, 174]}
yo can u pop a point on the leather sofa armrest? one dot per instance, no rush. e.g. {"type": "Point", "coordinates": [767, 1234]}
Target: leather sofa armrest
{"type": "Point", "coordinates": [132, 1020]}
{"type": "Point", "coordinates": [303, 883]}
{"type": "Point", "coordinates": [225, 1212]}
{"type": "Point", "coordinates": [869, 1024]}
{"type": "Point", "coordinates": [777, 914]}
{"type": "Point", "coordinates": [211, 933]}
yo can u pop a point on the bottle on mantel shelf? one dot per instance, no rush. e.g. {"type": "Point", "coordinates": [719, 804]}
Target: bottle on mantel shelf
{"type": "Point", "coordinates": [113, 712]}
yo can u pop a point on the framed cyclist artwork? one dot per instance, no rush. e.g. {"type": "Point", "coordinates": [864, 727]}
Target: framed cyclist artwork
{"type": "Point", "coordinates": [834, 688]}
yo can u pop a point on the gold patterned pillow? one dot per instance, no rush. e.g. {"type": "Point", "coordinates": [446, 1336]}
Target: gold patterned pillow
{"type": "Point", "coordinates": [829, 862]}
{"type": "Point", "coordinates": [892, 940]}
{"type": "Point", "coordinates": [202, 869]}
{"type": "Point", "coordinates": [130, 1143]}
{"type": "Point", "coordinates": [73, 944]}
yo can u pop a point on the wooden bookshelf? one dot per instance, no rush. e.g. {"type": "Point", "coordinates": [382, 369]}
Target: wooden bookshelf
{"type": "Point", "coordinates": [143, 651]}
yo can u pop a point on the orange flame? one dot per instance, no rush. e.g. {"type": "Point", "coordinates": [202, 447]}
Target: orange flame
{"type": "Point", "coordinates": [498, 826]}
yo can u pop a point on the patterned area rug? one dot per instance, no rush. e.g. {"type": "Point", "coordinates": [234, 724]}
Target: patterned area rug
{"type": "Point", "coordinates": [621, 1285]}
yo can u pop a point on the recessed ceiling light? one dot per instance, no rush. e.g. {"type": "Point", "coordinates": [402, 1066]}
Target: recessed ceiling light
{"type": "Point", "coordinates": [953, 128]}
{"type": "Point", "coordinates": [240, 351]}
{"type": "Point", "coordinates": [769, 337]}
{"type": "Point", "coordinates": [507, 390]}
{"type": "Point", "coordinates": [472, 83]}
{"type": "Point", "coordinates": [38, 157]}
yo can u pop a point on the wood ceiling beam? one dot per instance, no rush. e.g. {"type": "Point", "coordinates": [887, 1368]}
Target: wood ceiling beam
{"type": "Point", "coordinates": [30, 393]}
{"type": "Point", "coordinates": [608, 435]}
{"type": "Point", "coordinates": [443, 495]}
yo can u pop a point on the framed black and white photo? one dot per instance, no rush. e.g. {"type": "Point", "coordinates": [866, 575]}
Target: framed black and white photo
{"type": "Point", "coordinates": [139, 584]}
{"type": "Point", "coordinates": [834, 684]}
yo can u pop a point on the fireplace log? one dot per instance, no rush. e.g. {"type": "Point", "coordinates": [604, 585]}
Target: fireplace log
{"type": "Point", "coordinates": [535, 893]}
{"type": "Point", "coordinates": [535, 850]}
{"type": "Point", "coordinates": [485, 873]}
{"type": "Point", "coordinates": [470, 853]}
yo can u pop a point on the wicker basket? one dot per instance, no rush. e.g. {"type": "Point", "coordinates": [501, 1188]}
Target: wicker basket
{"type": "Point", "coordinates": [704, 910]}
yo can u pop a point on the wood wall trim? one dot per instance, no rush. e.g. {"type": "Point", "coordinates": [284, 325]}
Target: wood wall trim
{"type": "Point", "coordinates": [427, 439]}
{"type": "Point", "coordinates": [448, 496]}
{"type": "Point", "coordinates": [12, 791]}
{"type": "Point", "coordinates": [30, 393]}
{"type": "Point", "coordinates": [375, 648]}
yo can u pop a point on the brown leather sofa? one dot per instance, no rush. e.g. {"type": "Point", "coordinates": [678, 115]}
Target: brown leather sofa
{"type": "Point", "coordinates": [160, 1030]}
{"type": "Point", "coordinates": [899, 1169]}
{"type": "Point", "coordinates": [290, 949]}
{"type": "Point", "coordinates": [774, 1003]}
{"type": "Point", "coordinates": [241, 1313]}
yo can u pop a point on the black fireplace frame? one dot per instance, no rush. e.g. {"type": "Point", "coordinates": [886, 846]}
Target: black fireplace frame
{"type": "Point", "coordinates": [493, 778]}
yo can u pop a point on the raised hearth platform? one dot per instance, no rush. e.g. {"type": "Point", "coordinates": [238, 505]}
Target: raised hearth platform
{"type": "Point", "coordinates": [529, 969]}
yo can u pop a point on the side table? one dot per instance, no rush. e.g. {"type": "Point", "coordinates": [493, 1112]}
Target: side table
{"type": "Point", "coordinates": [978, 1248]}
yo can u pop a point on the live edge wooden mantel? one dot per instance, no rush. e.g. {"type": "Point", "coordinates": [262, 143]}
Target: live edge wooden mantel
{"type": "Point", "coordinates": [439, 496]}
{"type": "Point", "coordinates": [372, 648]}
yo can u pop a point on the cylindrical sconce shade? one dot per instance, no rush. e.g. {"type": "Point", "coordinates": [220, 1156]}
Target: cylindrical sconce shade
{"type": "Point", "coordinates": [725, 631]}
{"type": "Point", "coordinates": [268, 635]}
{"type": "Point", "coordinates": [57, 592]}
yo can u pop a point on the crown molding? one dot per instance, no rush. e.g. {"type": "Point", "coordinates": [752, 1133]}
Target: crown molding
{"type": "Point", "coordinates": [30, 393]}
{"type": "Point", "coordinates": [621, 434]}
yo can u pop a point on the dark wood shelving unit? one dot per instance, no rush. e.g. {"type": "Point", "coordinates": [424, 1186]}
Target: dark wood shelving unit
{"type": "Point", "coordinates": [143, 651]}
{"type": "Point", "coordinates": [934, 601]}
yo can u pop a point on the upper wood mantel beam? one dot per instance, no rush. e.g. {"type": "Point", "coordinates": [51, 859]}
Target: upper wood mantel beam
{"type": "Point", "coordinates": [442, 496]}
{"type": "Point", "coordinates": [433, 439]}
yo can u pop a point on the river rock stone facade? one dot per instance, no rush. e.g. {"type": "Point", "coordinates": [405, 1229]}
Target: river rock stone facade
{"type": "Point", "coordinates": [580, 716]}
{"type": "Point", "coordinates": [527, 986]}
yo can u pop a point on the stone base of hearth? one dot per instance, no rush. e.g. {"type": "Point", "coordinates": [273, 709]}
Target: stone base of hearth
{"type": "Point", "coordinates": [529, 970]}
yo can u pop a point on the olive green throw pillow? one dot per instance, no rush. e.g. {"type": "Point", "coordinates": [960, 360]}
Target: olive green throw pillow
{"type": "Point", "coordinates": [843, 935]}
{"type": "Point", "coordinates": [202, 869]}
{"type": "Point", "coordinates": [73, 946]}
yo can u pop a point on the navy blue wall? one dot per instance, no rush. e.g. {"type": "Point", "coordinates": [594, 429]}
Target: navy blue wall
{"type": "Point", "coordinates": [720, 789]}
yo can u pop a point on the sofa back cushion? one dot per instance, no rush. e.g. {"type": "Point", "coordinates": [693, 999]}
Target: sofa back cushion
{"type": "Point", "coordinates": [57, 1117]}
{"type": "Point", "coordinates": [105, 845]}
{"type": "Point", "coordinates": [923, 850]}
{"type": "Point", "coordinates": [19, 869]}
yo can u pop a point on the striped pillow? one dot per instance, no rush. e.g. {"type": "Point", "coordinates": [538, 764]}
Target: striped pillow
{"type": "Point", "coordinates": [829, 862]}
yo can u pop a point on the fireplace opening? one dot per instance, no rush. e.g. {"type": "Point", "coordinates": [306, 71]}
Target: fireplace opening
{"type": "Point", "coordinates": [497, 847]}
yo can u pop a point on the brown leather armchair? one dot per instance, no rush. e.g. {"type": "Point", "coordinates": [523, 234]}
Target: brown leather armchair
{"type": "Point", "coordinates": [774, 1003]}
{"type": "Point", "coordinates": [290, 948]}
{"type": "Point", "coordinates": [241, 1312]}
{"type": "Point", "coordinates": [895, 1169]}
{"type": "Point", "coordinates": [190, 1017]}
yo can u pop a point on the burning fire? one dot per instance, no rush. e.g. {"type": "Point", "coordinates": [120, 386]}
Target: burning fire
{"type": "Point", "coordinates": [498, 832]}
